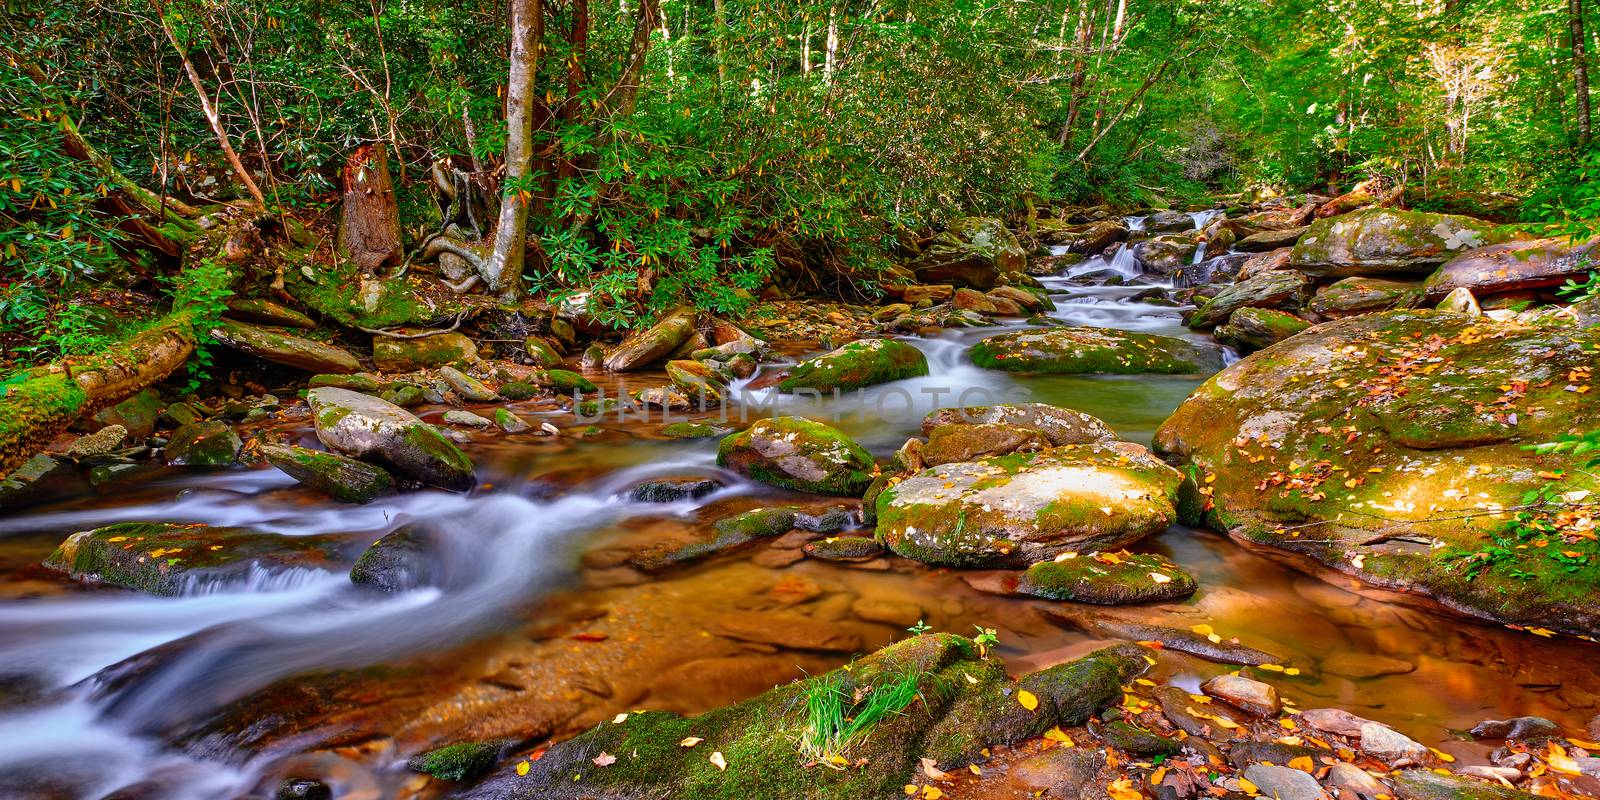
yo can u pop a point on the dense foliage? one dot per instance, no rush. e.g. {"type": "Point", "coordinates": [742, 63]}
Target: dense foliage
{"type": "Point", "coordinates": [692, 151]}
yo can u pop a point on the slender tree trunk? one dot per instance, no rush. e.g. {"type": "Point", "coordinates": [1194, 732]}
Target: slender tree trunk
{"type": "Point", "coordinates": [829, 59]}
{"type": "Point", "coordinates": [1580, 71]}
{"type": "Point", "coordinates": [370, 219]}
{"type": "Point", "coordinates": [212, 117]}
{"type": "Point", "coordinates": [720, 42]}
{"type": "Point", "coordinates": [503, 271]}
{"type": "Point", "coordinates": [1080, 47]}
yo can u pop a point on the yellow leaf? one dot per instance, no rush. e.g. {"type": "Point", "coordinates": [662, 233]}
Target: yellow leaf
{"type": "Point", "coordinates": [932, 792]}
{"type": "Point", "coordinates": [690, 741]}
{"type": "Point", "coordinates": [973, 768]}
{"type": "Point", "coordinates": [1059, 736]}
{"type": "Point", "coordinates": [1027, 699]}
{"type": "Point", "coordinates": [911, 789]}
{"type": "Point", "coordinates": [1585, 745]}
{"type": "Point", "coordinates": [718, 761]}
{"type": "Point", "coordinates": [1248, 786]}
{"type": "Point", "coordinates": [1303, 763]}
{"type": "Point", "coordinates": [1443, 756]}
{"type": "Point", "coordinates": [522, 768]}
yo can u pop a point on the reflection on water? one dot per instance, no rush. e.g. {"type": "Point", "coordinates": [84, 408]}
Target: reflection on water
{"type": "Point", "coordinates": [96, 681]}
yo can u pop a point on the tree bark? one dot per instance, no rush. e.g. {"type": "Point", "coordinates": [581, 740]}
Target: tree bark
{"type": "Point", "coordinates": [503, 270]}
{"type": "Point", "coordinates": [212, 116]}
{"type": "Point", "coordinates": [720, 42]}
{"type": "Point", "coordinates": [1580, 71]}
{"type": "Point", "coordinates": [369, 231]}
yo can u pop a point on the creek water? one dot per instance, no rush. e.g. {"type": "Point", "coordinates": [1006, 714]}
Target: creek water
{"type": "Point", "coordinates": [539, 627]}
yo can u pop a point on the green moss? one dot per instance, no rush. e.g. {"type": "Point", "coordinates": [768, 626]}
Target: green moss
{"type": "Point", "coordinates": [459, 762]}
{"type": "Point", "coordinates": [429, 440]}
{"type": "Point", "coordinates": [820, 459]}
{"type": "Point", "coordinates": [860, 363]}
{"type": "Point", "coordinates": [688, 430]}
{"type": "Point", "coordinates": [159, 558]}
{"type": "Point", "coordinates": [1093, 351]}
{"type": "Point", "coordinates": [568, 382]}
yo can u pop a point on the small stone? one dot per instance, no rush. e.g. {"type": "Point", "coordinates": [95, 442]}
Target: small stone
{"type": "Point", "coordinates": [1352, 778]}
{"type": "Point", "coordinates": [458, 416]}
{"type": "Point", "coordinates": [1333, 720]}
{"type": "Point", "coordinates": [1389, 745]}
{"type": "Point", "coordinates": [99, 443]}
{"type": "Point", "coordinates": [1460, 301]}
{"type": "Point", "coordinates": [509, 422]}
{"type": "Point", "coordinates": [303, 789]}
{"type": "Point", "coordinates": [776, 558]}
{"type": "Point", "coordinates": [203, 444]}
{"type": "Point", "coordinates": [1365, 665]}
{"type": "Point", "coordinates": [1515, 728]}
{"type": "Point", "coordinates": [470, 388]}
{"type": "Point", "coordinates": [518, 390]}
{"type": "Point", "coordinates": [1249, 695]}
{"type": "Point", "coordinates": [832, 520]}
{"type": "Point", "coordinates": [1284, 783]}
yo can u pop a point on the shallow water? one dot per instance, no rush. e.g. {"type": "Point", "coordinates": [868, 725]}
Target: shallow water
{"type": "Point", "coordinates": [540, 627]}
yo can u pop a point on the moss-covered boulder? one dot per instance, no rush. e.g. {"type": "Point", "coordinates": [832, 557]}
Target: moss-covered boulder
{"type": "Point", "coordinates": [974, 251]}
{"type": "Point", "coordinates": [1425, 784]}
{"type": "Point", "coordinates": [1351, 296]}
{"type": "Point", "coordinates": [1059, 425]}
{"type": "Point", "coordinates": [951, 443]}
{"type": "Point", "coordinates": [402, 559]}
{"type": "Point", "coordinates": [864, 362]}
{"type": "Point", "coordinates": [1384, 241]}
{"type": "Point", "coordinates": [137, 414]}
{"type": "Point", "coordinates": [1108, 579]}
{"type": "Point", "coordinates": [257, 311]}
{"type": "Point", "coordinates": [371, 429]}
{"type": "Point", "coordinates": [799, 454]}
{"type": "Point", "coordinates": [944, 703]}
{"type": "Point", "coordinates": [342, 478]}
{"type": "Point", "coordinates": [390, 354]}
{"type": "Point", "coordinates": [541, 352]}
{"type": "Point", "coordinates": [1285, 289]}
{"type": "Point", "coordinates": [204, 445]}
{"type": "Point", "coordinates": [1251, 329]}
{"type": "Point", "coordinates": [1390, 447]}
{"type": "Point", "coordinates": [1018, 509]}
{"type": "Point", "coordinates": [1165, 255]}
{"type": "Point", "coordinates": [1090, 238]}
{"type": "Point", "coordinates": [654, 343]}
{"type": "Point", "coordinates": [178, 559]}
{"type": "Point", "coordinates": [461, 761]}
{"type": "Point", "coordinates": [1514, 266]}
{"type": "Point", "coordinates": [697, 381]}
{"type": "Point", "coordinates": [356, 382]}
{"type": "Point", "coordinates": [467, 387]}
{"type": "Point", "coordinates": [1073, 350]}
{"type": "Point", "coordinates": [280, 347]}
{"type": "Point", "coordinates": [567, 382]}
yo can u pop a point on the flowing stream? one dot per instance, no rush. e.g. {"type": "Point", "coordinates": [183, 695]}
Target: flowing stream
{"type": "Point", "coordinates": [102, 690]}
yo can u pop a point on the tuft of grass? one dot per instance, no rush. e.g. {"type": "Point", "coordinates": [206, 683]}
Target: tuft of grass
{"type": "Point", "coordinates": [835, 719]}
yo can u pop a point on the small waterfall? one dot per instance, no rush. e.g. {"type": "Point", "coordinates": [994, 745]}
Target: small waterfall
{"type": "Point", "coordinates": [1135, 224]}
{"type": "Point", "coordinates": [1124, 264]}
{"type": "Point", "coordinates": [1204, 218]}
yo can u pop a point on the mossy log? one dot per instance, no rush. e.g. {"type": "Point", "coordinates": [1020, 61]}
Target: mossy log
{"type": "Point", "coordinates": [39, 404]}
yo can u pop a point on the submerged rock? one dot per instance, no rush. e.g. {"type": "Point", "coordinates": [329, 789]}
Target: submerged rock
{"type": "Point", "coordinates": [799, 454]}
{"type": "Point", "coordinates": [955, 704]}
{"type": "Point", "coordinates": [671, 490]}
{"type": "Point", "coordinates": [344, 479]}
{"type": "Point", "coordinates": [728, 534]}
{"type": "Point", "coordinates": [1374, 445]}
{"type": "Point", "coordinates": [1018, 509]}
{"type": "Point", "coordinates": [1383, 241]}
{"type": "Point", "coordinates": [844, 548]}
{"type": "Point", "coordinates": [375, 430]}
{"type": "Point", "coordinates": [402, 560]}
{"type": "Point", "coordinates": [1076, 350]}
{"type": "Point", "coordinates": [864, 362]}
{"type": "Point", "coordinates": [173, 559]}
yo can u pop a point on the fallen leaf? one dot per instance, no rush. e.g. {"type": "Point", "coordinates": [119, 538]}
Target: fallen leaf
{"type": "Point", "coordinates": [522, 768]}
{"type": "Point", "coordinates": [718, 761]}
{"type": "Point", "coordinates": [1027, 699]}
{"type": "Point", "coordinates": [930, 768]}
{"type": "Point", "coordinates": [620, 718]}
{"type": "Point", "coordinates": [604, 759]}
{"type": "Point", "coordinates": [690, 741]}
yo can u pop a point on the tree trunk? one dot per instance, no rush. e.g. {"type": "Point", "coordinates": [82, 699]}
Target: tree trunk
{"type": "Point", "coordinates": [39, 408]}
{"type": "Point", "coordinates": [1580, 71]}
{"type": "Point", "coordinates": [369, 230]}
{"type": "Point", "coordinates": [720, 42]}
{"type": "Point", "coordinates": [503, 271]}
{"type": "Point", "coordinates": [212, 117]}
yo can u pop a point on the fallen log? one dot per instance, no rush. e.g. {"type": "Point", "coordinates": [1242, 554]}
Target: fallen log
{"type": "Point", "coordinates": [37, 405]}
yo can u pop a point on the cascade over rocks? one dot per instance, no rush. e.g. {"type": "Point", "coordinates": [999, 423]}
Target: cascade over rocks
{"type": "Point", "coordinates": [1018, 509]}
{"type": "Point", "coordinates": [1383, 241]}
{"type": "Point", "coordinates": [379, 431]}
{"type": "Point", "coordinates": [171, 559]}
{"type": "Point", "coordinates": [1386, 446]}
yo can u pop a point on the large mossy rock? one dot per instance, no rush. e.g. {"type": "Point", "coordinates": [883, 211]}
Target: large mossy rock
{"type": "Point", "coordinates": [799, 454]}
{"type": "Point", "coordinates": [283, 348]}
{"type": "Point", "coordinates": [642, 348]}
{"type": "Point", "coordinates": [1166, 254]}
{"type": "Point", "coordinates": [864, 362]}
{"type": "Point", "coordinates": [375, 430]}
{"type": "Point", "coordinates": [210, 444]}
{"type": "Point", "coordinates": [1351, 296]}
{"type": "Point", "coordinates": [1108, 579]}
{"type": "Point", "coordinates": [1252, 329]}
{"type": "Point", "coordinates": [391, 354]}
{"type": "Point", "coordinates": [1095, 350]}
{"type": "Point", "coordinates": [176, 559]}
{"type": "Point", "coordinates": [962, 704]}
{"type": "Point", "coordinates": [137, 415]}
{"type": "Point", "coordinates": [1389, 446]}
{"type": "Point", "coordinates": [340, 477]}
{"type": "Point", "coordinates": [973, 252]}
{"type": "Point", "coordinates": [1088, 239]}
{"type": "Point", "coordinates": [1383, 241]}
{"type": "Point", "coordinates": [1018, 509]}
{"type": "Point", "coordinates": [1514, 266]}
{"type": "Point", "coordinates": [1283, 290]}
